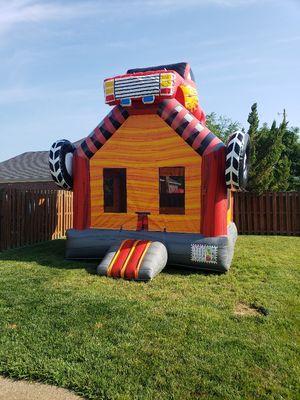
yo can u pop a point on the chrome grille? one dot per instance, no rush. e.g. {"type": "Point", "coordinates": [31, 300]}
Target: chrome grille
{"type": "Point", "coordinates": [137, 86]}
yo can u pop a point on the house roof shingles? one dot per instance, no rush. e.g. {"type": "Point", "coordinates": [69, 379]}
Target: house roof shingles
{"type": "Point", "coordinates": [32, 166]}
{"type": "Point", "coordinates": [27, 167]}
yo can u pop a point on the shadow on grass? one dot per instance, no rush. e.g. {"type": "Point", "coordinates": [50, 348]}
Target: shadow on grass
{"type": "Point", "coordinates": [52, 255]}
{"type": "Point", "coordinates": [48, 254]}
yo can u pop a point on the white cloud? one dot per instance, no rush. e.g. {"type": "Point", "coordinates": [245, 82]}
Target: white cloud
{"type": "Point", "coordinates": [184, 4]}
{"type": "Point", "coordinates": [291, 39]}
{"type": "Point", "coordinates": [17, 94]}
{"type": "Point", "coordinates": [215, 65]}
{"type": "Point", "coordinates": [15, 12]}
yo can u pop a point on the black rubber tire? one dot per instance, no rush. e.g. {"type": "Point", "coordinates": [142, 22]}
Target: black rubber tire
{"type": "Point", "coordinates": [237, 161]}
{"type": "Point", "coordinates": [61, 174]}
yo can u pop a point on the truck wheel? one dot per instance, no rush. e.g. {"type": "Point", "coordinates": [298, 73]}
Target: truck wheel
{"type": "Point", "coordinates": [60, 162]}
{"type": "Point", "coordinates": [237, 161]}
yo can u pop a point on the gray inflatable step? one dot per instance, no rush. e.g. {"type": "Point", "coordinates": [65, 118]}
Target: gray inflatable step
{"type": "Point", "coordinates": [139, 260]}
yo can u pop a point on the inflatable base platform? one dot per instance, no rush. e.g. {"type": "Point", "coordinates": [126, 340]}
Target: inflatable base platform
{"type": "Point", "coordinates": [188, 250]}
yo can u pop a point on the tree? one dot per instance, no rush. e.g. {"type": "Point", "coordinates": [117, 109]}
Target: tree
{"type": "Point", "coordinates": [262, 170]}
{"type": "Point", "coordinates": [253, 121]}
{"type": "Point", "coordinates": [270, 167]}
{"type": "Point", "coordinates": [221, 126]}
{"type": "Point", "coordinates": [282, 168]}
{"type": "Point", "coordinates": [292, 153]}
{"type": "Point", "coordinates": [253, 133]}
{"type": "Point", "coordinates": [274, 154]}
{"type": "Point", "coordinates": [281, 175]}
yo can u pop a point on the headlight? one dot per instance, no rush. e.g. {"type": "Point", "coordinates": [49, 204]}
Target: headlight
{"type": "Point", "coordinates": [166, 83]}
{"type": "Point", "coordinates": [109, 90]}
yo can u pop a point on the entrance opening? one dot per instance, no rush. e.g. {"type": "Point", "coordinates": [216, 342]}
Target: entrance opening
{"type": "Point", "coordinates": [114, 189]}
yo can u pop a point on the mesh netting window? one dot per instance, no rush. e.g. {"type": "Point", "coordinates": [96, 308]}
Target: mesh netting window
{"type": "Point", "coordinates": [114, 189]}
{"type": "Point", "coordinates": [171, 190]}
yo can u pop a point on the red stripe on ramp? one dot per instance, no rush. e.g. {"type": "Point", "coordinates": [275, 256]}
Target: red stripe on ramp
{"type": "Point", "coordinates": [135, 258]}
{"type": "Point", "coordinates": [120, 260]}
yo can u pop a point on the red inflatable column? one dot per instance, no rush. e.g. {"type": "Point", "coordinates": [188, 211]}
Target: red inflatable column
{"type": "Point", "coordinates": [214, 194]}
{"type": "Point", "coordinates": [81, 192]}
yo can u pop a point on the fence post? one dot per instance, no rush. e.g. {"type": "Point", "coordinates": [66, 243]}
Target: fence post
{"type": "Point", "coordinates": [271, 213]}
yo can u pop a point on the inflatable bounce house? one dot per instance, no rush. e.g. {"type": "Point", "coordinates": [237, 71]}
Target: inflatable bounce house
{"type": "Point", "coordinates": [152, 185]}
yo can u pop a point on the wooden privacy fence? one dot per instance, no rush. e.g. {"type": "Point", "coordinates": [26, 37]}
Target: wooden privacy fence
{"type": "Point", "coordinates": [32, 216]}
{"type": "Point", "coordinates": [272, 213]}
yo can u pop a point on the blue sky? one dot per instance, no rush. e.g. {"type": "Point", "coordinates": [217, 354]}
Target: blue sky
{"type": "Point", "coordinates": [55, 54]}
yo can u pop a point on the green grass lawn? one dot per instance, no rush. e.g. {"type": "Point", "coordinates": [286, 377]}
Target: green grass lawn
{"type": "Point", "coordinates": [177, 337]}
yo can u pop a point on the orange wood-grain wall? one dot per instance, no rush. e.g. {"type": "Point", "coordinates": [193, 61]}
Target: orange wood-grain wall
{"type": "Point", "coordinates": [142, 145]}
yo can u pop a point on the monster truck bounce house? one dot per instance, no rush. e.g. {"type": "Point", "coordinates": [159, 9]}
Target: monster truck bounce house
{"type": "Point", "coordinates": [152, 185]}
